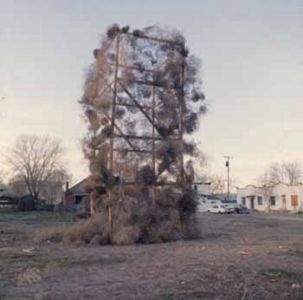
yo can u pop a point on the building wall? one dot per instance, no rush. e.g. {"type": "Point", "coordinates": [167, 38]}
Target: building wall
{"type": "Point", "coordinates": [282, 197]}
{"type": "Point", "coordinates": [288, 196]}
{"type": "Point", "coordinates": [202, 188]}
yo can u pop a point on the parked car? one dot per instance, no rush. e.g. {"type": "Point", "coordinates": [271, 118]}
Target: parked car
{"type": "Point", "coordinates": [230, 207]}
{"type": "Point", "coordinates": [220, 209]}
{"type": "Point", "coordinates": [241, 209]}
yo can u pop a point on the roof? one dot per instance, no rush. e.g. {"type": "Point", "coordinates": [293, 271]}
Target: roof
{"type": "Point", "coordinates": [78, 187]}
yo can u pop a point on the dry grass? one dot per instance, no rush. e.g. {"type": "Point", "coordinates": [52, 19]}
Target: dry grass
{"type": "Point", "coordinates": [133, 222]}
{"type": "Point", "coordinates": [209, 268]}
{"type": "Point", "coordinates": [53, 234]}
{"type": "Point", "coordinates": [92, 230]}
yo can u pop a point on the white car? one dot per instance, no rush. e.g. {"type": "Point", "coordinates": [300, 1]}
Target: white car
{"type": "Point", "coordinates": [220, 209]}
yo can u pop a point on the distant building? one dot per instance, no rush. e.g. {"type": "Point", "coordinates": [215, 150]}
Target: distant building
{"type": "Point", "coordinates": [7, 197]}
{"type": "Point", "coordinates": [280, 197]}
{"type": "Point", "coordinates": [202, 188]}
{"type": "Point", "coordinates": [50, 191]}
{"type": "Point", "coordinates": [76, 193]}
{"type": "Point", "coordinates": [223, 197]}
{"type": "Point", "coordinates": [205, 198]}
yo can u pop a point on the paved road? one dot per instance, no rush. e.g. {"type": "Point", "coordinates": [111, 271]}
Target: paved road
{"type": "Point", "coordinates": [282, 217]}
{"type": "Point", "coordinates": [263, 216]}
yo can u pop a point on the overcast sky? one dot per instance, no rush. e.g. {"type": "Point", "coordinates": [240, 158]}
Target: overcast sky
{"type": "Point", "coordinates": [252, 72]}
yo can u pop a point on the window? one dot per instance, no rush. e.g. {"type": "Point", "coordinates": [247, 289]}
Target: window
{"type": "Point", "coordinates": [243, 201]}
{"type": "Point", "coordinates": [272, 200]}
{"type": "Point", "coordinates": [260, 200]}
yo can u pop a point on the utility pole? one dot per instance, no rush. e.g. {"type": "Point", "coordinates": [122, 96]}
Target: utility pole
{"type": "Point", "coordinates": [227, 165]}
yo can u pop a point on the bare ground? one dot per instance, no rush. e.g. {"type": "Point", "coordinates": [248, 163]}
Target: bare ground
{"type": "Point", "coordinates": [238, 257]}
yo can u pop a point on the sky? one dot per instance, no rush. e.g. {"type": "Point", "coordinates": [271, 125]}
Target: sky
{"type": "Point", "coordinates": [252, 70]}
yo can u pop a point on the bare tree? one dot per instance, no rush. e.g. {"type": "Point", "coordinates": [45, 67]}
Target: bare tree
{"type": "Point", "coordinates": [266, 182]}
{"type": "Point", "coordinates": [293, 172]}
{"type": "Point", "coordinates": [17, 184]}
{"type": "Point", "coordinates": [60, 175]}
{"type": "Point", "coordinates": [218, 184]}
{"type": "Point", "coordinates": [285, 172]}
{"type": "Point", "coordinates": [36, 160]}
{"type": "Point", "coordinates": [2, 176]}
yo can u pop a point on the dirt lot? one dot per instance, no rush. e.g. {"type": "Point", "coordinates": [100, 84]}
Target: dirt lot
{"type": "Point", "coordinates": [238, 257]}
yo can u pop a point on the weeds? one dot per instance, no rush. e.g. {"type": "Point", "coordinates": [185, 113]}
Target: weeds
{"type": "Point", "coordinates": [296, 253]}
{"type": "Point", "coordinates": [292, 276]}
{"type": "Point", "coordinates": [36, 216]}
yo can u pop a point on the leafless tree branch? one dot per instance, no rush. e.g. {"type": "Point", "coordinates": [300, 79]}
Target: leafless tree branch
{"type": "Point", "coordinates": [36, 159]}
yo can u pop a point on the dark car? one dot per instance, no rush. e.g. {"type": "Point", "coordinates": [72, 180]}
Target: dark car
{"type": "Point", "coordinates": [241, 209]}
{"type": "Point", "coordinates": [26, 203]}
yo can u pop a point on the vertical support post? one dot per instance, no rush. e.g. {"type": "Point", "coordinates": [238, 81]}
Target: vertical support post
{"type": "Point", "coordinates": [154, 136]}
{"type": "Point", "coordinates": [181, 119]}
{"type": "Point", "coordinates": [181, 129]}
{"type": "Point", "coordinates": [228, 180]}
{"type": "Point", "coordinates": [113, 118]}
{"type": "Point", "coordinates": [153, 128]}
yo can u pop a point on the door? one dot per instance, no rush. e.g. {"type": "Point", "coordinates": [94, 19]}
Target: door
{"type": "Point", "coordinates": [252, 202]}
{"type": "Point", "coordinates": [284, 202]}
{"type": "Point", "coordinates": [294, 200]}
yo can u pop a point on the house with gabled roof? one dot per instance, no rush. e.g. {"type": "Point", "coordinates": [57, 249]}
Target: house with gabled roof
{"type": "Point", "coordinates": [76, 193]}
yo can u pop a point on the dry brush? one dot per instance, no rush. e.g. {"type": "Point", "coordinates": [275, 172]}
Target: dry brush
{"type": "Point", "coordinates": [142, 102]}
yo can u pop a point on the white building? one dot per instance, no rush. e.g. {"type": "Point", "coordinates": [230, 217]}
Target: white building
{"type": "Point", "coordinates": [280, 197]}
{"type": "Point", "coordinates": [202, 188]}
{"type": "Point", "coordinates": [205, 199]}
